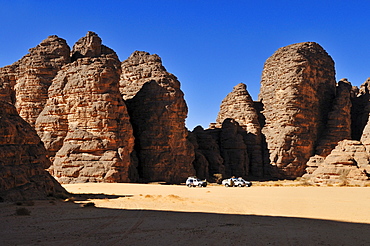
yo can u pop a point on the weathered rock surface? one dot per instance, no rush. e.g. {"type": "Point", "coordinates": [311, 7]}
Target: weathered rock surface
{"type": "Point", "coordinates": [362, 113]}
{"type": "Point", "coordinates": [347, 164]}
{"type": "Point", "coordinates": [360, 109]}
{"type": "Point", "coordinates": [85, 125]}
{"type": "Point", "coordinates": [297, 88]}
{"type": "Point", "coordinates": [23, 160]}
{"type": "Point", "coordinates": [338, 126]}
{"type": "Point", "coordinates": [234, 149]}
{"type": "Point", "coordinates": [239, 106]}
{"type": "Point", "coordinates": [208, 161]}
{"type": "Point", "coordinates": [26, 82]}
{"type": "Point", "coordinates": [157, 110]}
{"type": "Point", "coordinates": [224, 148]}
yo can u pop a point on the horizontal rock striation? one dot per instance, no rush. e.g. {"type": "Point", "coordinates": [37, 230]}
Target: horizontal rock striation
{"type": "Point", "coordinates": [25, 83]}
{"type": "Point", "coordinates": [157, 112]}
{"type": "Point", "coordinates": [297, 88]}
{"type": "Point", "coordinates": [347, 164]}
{"type": "Point", "coordinates": [23, 160]}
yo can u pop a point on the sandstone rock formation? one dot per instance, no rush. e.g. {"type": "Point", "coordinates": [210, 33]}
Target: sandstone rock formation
{"type": "Point", "coordinates": [157, 110]}
{"type": "Point", "coordinates": [347, 164]}
{"type": "Point", "coordinates": [23, 160]}
{"type": "Point", "coordinates": [224, 148]}
{"type": "Point", "coordinates": [26, 82]}
{"type": "Point", "coordinates": [239, 106]}
{"type": "Point", "coordinates": [208, 162]}
{"type": "Point", "coordinates": [360, 109]}
{"type": "Point", "coordinates": [338, 126]}
{"type": "Point", "coordinates": [234, 149]}
{"type": "Point", "coordinates": [297, 88]}
{"type": "Point", "coordinates": [85, 125]}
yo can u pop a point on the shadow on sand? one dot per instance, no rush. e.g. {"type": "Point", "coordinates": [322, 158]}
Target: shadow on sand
{"type": "Point", "coordinates": [67, 223]}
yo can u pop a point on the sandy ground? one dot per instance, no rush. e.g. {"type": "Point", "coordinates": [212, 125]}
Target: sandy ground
{"type": "Point", "coordinates": [154, 214]}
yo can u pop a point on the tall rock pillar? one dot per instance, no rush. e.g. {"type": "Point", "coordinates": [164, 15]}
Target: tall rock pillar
{"type": "Point", "coordinates": [85, 124]}
{"type": "Point", "coordinates": [297, 87]}
{"type": "Point", "coordinates": [157, 111]}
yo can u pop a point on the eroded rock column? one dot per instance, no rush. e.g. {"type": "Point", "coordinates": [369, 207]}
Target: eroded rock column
{"type": "Point", "coordinates": [157, 110]}
{"type": "Point", "coordinates": [297, 88]}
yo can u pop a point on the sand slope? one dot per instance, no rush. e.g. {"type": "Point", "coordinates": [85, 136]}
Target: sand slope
{"type": "Point", "coordinates": [153, 214]}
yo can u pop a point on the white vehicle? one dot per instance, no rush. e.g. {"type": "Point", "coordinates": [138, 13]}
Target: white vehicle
{"type": "Point", "coordinates": [194, 181]}
{"type": "Point", "coordinates": [234, 182]}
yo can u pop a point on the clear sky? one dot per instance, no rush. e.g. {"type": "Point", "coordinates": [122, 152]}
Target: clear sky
{"type": "Point", "coordinates": [210, 45]}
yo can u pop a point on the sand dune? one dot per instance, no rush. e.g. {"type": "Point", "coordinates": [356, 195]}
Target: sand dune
{"type": "Point", "coordinates": [154, 214]}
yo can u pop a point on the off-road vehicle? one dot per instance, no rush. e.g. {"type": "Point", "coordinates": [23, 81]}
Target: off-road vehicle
{"type": "Point", "coordinates": [194, 181]}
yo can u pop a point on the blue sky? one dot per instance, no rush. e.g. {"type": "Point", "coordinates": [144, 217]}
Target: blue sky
{"type": "Point", "coordinates": [209, 45]}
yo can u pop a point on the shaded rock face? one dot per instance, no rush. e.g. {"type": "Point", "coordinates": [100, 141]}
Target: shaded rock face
{"type": "Point", "coordinates": [157, 110]}
{"type": "Point", "coordinates": [239, 106]}
{"type": "Point", "coordinates": [208, 161]}
{"type": "Point", "coordinates": [23, 160]}
{"type": "Point", "coordinates": [225, 150]}
{"type": "Point", "coordinates": [338, 126]}
{"type": "Point", "coordinates": [297, 88]}
{"type": "Point", "coordinates": [347, 164]}
{"type": "Point", "coordinates": [26, 82]}
{"type": "Point", "coordinates": [360, 109]}
{"type": "Point", "coordinates": [85, 125]}
{"type": "Point", "coordinates": [233, 149]}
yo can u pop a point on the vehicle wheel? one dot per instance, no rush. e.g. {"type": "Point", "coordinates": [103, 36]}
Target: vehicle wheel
{"type": "Point", "coordinates": [227, 185]}
{"type": "Point", "coordinates": [239, 185]}
{"type": "Point", "coordinates": [189, 185]}
{"type": "Point", "coordinates": [200, 185]}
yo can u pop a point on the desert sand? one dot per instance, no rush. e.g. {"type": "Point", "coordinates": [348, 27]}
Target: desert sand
{"type": "Point", "coordinates": [155, 214]}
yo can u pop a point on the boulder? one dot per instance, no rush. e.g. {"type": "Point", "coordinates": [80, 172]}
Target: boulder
{"type": "Point", "coordinates": [347, 164]}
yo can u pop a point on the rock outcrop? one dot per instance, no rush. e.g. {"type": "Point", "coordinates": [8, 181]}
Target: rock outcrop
{"type": "Point", "coordinates": [234, 149]}
{"type": "Point", "coordinates": [297, 88]}
{"type": "Point", "coordinates": [347, 164]}
{"type": "Point", "coordinates": [208, 162]}
{"type": "Point", "coordinates": [239, 106]}
{"type": "Point", "coordinates": [85, 125]}
{"type": "Point", "coordinates": [23, 160]}
{"type": "Point", "coordinates": [338, 126]}
{"type": "Point", "coordinates": [157, 110]}
{"type": "Point", "coordinates": [25, 83]}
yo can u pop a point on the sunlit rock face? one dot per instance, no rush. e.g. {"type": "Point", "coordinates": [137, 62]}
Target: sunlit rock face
{"type": "Point", "coordinates": [157, 110]}
{"type": "Point", "coordinates": [347, 164]}
{"type": "Point", "coordinates": [85, 124]}
{"type": "Point", "coordinates": [239, 106]}
{"type": "Point", "coordinates": [23, 160]}
{"type": "Point", "coordinates": [297, 88]}
{"type": "Point", "coordinates": [25, 83]}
